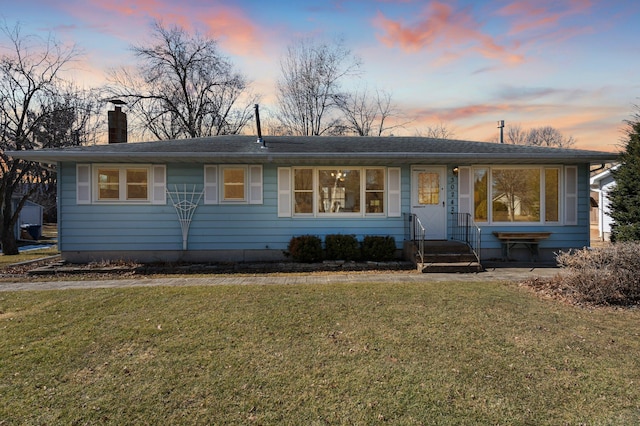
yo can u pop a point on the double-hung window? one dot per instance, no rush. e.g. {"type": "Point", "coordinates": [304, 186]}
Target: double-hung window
{"type": "Point", "coordinates": [120, 183]}
{"type": "Point", "coordinates": [374, 191]}
{"type": "Point", "coordinates": [232, 184]}
{"type": "Point", "coordinates": [303, 191]}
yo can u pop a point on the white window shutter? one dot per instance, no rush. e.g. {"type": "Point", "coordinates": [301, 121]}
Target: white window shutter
{"type": "Point", "coordinates": [394, 192]}
{"type": "Point", "coordinates": [83, 184]}
{"type": "Point", "coordinates": [211, 184]}
{"type": "Point", "coordinates": [465, 191]}
{"type": "Point", "coordinates": [159, 188]}
{"type": "Point", "coordinates": [571, 195]}
{"type": "Point", "coordinates": [284, 192]}
{"type": "Point", "coordinates": [255, 184]}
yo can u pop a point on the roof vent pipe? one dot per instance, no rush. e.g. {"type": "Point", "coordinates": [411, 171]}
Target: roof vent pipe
{"type": "Point", "coordinates": [501, 127]}
{"type": "Point", "coordinates": [260, 140]}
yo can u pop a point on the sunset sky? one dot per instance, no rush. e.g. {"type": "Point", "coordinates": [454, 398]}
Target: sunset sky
{"type": "Point", "coordinates": [571, 64]}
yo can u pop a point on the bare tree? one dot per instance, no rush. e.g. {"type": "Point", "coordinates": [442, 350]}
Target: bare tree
{"type": "Point", "coordinates": [539, 136]}
{"type": "Point", "coordinates": [183, 87]}
{"type": "Point", "coordinates": [549, 136]}
{"type": "Point", "coordinates": [310, 84]}
{"type": "Point", "coordinates": [72, 117]}
{"type": "Point", "coordinates": [515, 135]}
{"type": "Point", "coordinates": [37, 109]}
{"type": "Point", "coordinates": [437, 131]}
{"type": "Point", "coordinates": [368, 114]}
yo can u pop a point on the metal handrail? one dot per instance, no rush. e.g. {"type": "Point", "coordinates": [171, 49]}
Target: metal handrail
{"type": "Point", "coordinates": [465, 230]}
{"type": "Point", "coordinates": [417, 236]}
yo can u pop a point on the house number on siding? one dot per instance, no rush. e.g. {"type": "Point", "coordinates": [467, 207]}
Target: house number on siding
{"type": "Point", "coordinates": [452, 194]}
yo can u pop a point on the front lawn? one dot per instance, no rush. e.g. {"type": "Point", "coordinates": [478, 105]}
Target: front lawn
{"type": "Point", "coordinates": [427, 353]}
{"type": "Point", "coordinates": [27, 256]}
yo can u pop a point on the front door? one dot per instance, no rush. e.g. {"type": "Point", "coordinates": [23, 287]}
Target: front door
{"type": "Point", "coordinates": [428, 199]}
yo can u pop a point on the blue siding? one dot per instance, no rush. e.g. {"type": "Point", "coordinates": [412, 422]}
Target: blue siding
{"type": "Point", "coordinates": [96, 228]}
{"type": "Point", "coordinates": [213, 227]}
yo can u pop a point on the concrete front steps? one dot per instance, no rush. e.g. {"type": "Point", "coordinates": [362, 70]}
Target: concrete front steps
{"type": "Point", "coordinates": [447, 257]}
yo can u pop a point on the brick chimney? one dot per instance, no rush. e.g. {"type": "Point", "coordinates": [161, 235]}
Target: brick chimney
{"type": "Point", "coordinates": [117, 123]}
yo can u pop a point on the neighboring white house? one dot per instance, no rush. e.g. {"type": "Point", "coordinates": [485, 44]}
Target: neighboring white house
{"type": "Point", "coordinates": [602, 184]}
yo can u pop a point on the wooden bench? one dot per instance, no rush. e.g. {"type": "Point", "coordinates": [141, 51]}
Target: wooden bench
{"type": "Point", "coordinates": [531, 240]}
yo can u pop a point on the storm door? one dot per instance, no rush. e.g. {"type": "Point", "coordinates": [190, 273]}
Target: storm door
{"type": "Point", "coordinates": [428, 199]}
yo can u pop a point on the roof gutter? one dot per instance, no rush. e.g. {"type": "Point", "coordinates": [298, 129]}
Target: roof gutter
{"type": "Point", "coordinates": [268, 156]}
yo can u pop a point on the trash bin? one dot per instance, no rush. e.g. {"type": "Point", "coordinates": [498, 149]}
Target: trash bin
{"type": "Point", "coordinates": [35, 231]}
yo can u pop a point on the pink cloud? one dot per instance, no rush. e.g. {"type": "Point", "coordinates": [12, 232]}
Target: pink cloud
{"type": "Point", "coordinates": [458, 113]}
{"type": "Point", "coordinates": [442, 27]}
{"type": "Point", "coordinates": [240, 34]}
{"type": "Point", "coordinates": [129, 19]}
{"type": "Point", "coordinates": [541, 15]}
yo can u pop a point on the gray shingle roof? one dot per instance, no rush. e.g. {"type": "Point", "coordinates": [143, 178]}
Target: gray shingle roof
{"type": "Point", "coordinates": [318, 150]}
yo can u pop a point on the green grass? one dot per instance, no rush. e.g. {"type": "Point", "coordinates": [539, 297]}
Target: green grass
{"type": "Point", "coordinates": [427, 353]}
{"type": "Point", "coordinates": [6, 261]}
{"type": "Point", "coordinates": [49, 235]}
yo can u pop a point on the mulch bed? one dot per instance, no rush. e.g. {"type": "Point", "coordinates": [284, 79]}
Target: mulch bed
{"type": "Point", "coordinates": [125, 268]}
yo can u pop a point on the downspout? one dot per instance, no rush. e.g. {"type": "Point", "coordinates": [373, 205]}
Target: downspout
{"type": "Point", "coordinates": [59, 207]}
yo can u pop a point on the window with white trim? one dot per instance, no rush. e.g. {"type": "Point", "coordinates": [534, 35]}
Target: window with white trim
{"type": "Point", "coordinates": [338, 192]}
{"type": "Point", "coordinates": [234, 187]}
{"type": "Point", "coordinates": [510, 194]}
{"type": "Point", "coordinates": [374, 191]}
{"type": "Point", "coordinates": [232, 184]}
{"type": "Point", "coordinates": [120, 183]}
{"type": "Point", "coordinates": [303, 191]}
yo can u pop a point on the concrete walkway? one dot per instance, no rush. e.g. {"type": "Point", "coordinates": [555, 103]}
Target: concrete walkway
{"type": "Point", "coordinates": [491, 274]}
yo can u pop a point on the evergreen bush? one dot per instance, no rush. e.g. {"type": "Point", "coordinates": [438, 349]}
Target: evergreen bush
{"type": "Point", "coordinates": [379, 249]}
{"type": "Point", "coordinates": [625, 196]}
{"type": "Point", "coordinates": [342, 247]}
{"type": "Point", "coordinates": [306, 249]}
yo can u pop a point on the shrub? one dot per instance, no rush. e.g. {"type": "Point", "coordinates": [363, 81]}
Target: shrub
{"type": "Point", "coordinates": [306, 248]}
{"type": "Point", "coordinates": [607, 275]}
{"type": "Point", "coordinates": [379, 249]}
{"type": "Point", "coordinates": [343, 247]}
